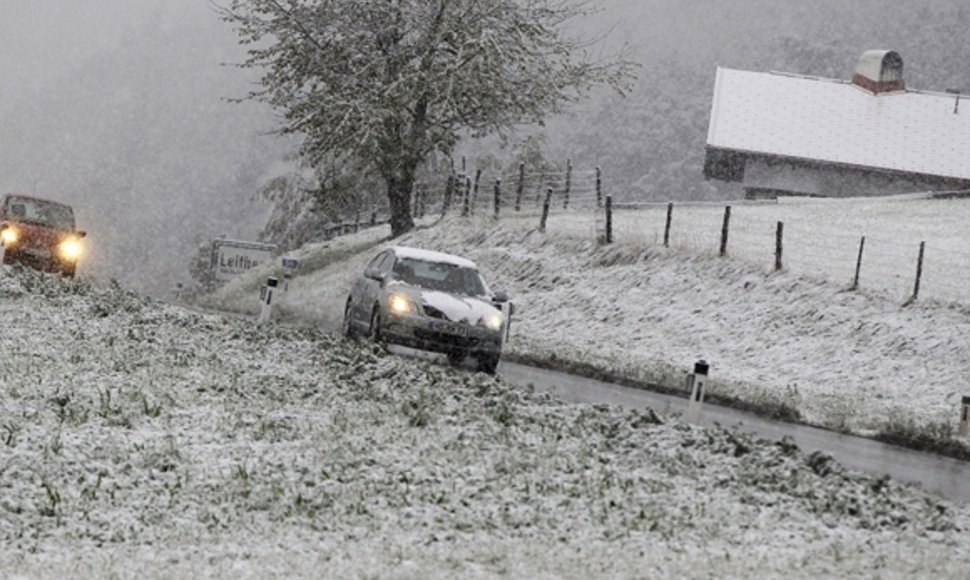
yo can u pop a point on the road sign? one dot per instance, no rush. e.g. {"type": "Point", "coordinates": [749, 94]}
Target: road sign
{"type": "Point", "coordinates": [231, 258]}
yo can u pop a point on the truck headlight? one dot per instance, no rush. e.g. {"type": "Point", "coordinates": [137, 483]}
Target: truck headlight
{"type": "Point", "coordinates": [70, 249]}
{"type": "Point", "coordinates": [9, 236]}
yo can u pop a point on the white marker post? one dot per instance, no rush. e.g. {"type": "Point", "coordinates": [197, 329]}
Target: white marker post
{"type": "Point", "coordinates": [964, 429]}
{"type": "Point", "coordinates": [696, 383]}
{"type": "Point", "coordinates": [266, 297]}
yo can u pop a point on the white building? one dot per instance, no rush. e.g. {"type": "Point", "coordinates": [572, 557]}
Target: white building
{"type": "Point", "coordinates": [783, 134]}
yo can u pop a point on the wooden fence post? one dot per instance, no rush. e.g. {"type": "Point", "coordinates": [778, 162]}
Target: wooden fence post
{"type": "Point", "coordinates": [670, 215]}
{"type": "Point", "coordinates": [520, 188]}
{"type": "Point", "coordinates": [609, 219]}
{"type": "Point", "coordinates": [569, 181]}
{"type": "Point", "coordinates": [545, 211]}
{"type": "Point", "coordinates": [724, 230]}
{"type": "Point", "coordinates": [919, 273]}
{"type": "Point", "coordinates": [449, 192]}
{"type": "Point", "coordinates": [599, 188]}
{"type": "Point", "coordinates": [858, 264]}
{"type": "Point", "coordinates": [498, 196]}
{"type": "Point", "coordinates": [466, 209]}
{"type": "Point", "coordinates": [779, 235]}
{"type": "Point", "coordinates": [478, 177]}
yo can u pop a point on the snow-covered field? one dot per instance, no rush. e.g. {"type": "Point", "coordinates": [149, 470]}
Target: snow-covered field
{"type": "Point", "coordinates": [854, 361]}
{"type": "Point", "coordinates": [144, 440]}
{"type": "Point", "coordinates": [821, 238]}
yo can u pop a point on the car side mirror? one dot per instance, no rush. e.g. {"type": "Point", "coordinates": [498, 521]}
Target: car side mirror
{"type": "Point", "coordinates": [375, 275]}
{"type": "Point", "coordinates": [80, 233]}
{"type": "Point", "coordinates": [500, 297]}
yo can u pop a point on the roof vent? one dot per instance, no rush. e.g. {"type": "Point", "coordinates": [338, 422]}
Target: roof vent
{"type": "Point", "coordinates": [880, 71]}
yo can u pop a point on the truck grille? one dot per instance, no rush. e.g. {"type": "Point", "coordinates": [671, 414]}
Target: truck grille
{"type": "Point", "coordinates": [433, 312]}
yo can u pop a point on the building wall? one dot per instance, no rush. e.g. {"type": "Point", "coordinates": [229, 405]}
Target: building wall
{"type": "Point", "coordinates": [781, 177]}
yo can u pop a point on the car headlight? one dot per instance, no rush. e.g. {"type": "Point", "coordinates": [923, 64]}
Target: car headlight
{"type": "Point", "coordinates": [70, 249]}
{"type": "Point", "coordinates": [9, 236]}
{"type": "Point", "coordinates": [493, 321]}
{"type": "Point", "coordinates": [399, 304]}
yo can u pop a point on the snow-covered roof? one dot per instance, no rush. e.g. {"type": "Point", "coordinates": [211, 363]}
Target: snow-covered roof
{"type": "Point", "coordinates": [834, 121]}
{"type": "Point", "coordinates": [432, 256]}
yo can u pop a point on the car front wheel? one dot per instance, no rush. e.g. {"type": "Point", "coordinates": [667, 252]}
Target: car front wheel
{"type": "Point", "coordinates": [348, 325]}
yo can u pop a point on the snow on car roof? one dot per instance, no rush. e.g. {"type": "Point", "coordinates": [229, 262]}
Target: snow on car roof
{"type": "Point", "coordinates": [432, 256]}
{"type": "Point", "coordinates": [834, 121]}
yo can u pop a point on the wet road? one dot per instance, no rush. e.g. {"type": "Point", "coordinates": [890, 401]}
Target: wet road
{"type": "Point", "coordinates": [947, 477]}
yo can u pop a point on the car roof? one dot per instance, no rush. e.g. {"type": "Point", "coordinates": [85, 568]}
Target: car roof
{"type": "Point", "coordinates": [432, 256]}
{"type": "Point", "coordinates": [35, 198]}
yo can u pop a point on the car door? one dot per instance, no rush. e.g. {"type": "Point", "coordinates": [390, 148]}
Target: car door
{"type": "Point", "coordinates": [366, 289]}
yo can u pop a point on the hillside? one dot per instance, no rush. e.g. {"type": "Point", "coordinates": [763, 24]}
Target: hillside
{"type": "Point", "coordinates": [144, 440]}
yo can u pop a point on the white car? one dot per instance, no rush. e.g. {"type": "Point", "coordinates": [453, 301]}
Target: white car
{"type": "Point", "coordinates": [430, 301]}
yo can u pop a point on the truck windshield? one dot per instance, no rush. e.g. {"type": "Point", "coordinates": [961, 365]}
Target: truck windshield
{"type": "Point", "coordinates": [39, 212]}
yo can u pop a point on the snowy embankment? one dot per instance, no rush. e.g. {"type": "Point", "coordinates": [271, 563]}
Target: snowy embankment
{"type": "Point", "coordinates": [851, 361]}
{"type": "Point", "coordinates": [143, 440]}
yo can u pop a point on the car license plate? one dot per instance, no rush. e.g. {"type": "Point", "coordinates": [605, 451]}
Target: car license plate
{"type": "Point", "coordinates": [449, 328]}
{"type": "Point", "coordinates": [37, 254]}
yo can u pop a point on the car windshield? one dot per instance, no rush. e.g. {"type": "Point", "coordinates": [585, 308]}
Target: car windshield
{"type": "Point", "coordinates": [440, 276]}
{"type": "Point", "coordinates": [40, 212]}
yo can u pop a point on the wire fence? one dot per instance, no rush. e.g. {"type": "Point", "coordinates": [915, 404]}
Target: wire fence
{"type": "Point", "coordinates": [910, 249]}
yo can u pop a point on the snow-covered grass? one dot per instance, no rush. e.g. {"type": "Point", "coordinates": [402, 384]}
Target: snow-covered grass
{"type": "Point", "coordinates": [821, 238]}
{"type": "Point", "coordinates": [855, 361]}
{"type": "Point", "coordinates": [144, 440]}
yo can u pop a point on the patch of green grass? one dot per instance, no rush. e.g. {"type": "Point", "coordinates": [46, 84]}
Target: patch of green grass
{"type": "Point", "coordinates": [933, 437]}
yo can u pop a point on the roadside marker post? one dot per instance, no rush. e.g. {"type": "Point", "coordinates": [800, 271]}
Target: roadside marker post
{"type": "Point", "coordinates": [696, 384]}
{"type": "Point", "coordinates": [266, 297]}
{"type": "Point", "coordinates": [964, 429]}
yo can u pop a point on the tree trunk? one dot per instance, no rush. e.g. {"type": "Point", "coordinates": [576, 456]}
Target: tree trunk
{"type": "Point", "coordinates": [399, 191]}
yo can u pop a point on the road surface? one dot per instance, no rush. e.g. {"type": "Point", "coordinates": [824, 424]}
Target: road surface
{"type": "Point", "coordinates": [947, 477]}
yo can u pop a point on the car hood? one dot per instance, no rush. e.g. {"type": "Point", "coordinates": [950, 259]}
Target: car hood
{"type": "Point", "coordinates": [455, 307]}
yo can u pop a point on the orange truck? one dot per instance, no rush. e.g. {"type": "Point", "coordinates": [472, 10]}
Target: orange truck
{"type": "Point", "coordinates": [39, 233]}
